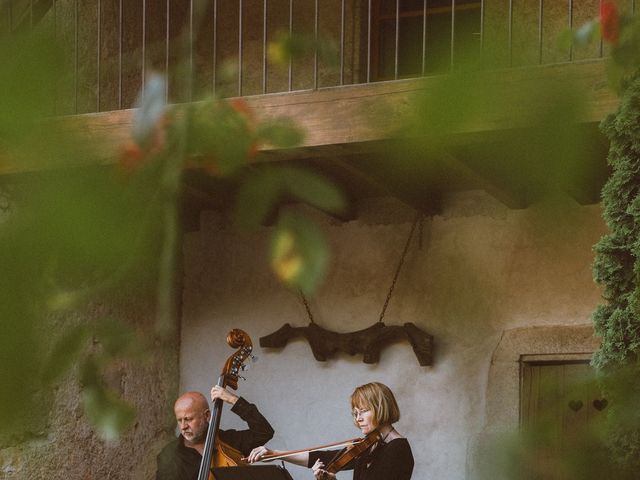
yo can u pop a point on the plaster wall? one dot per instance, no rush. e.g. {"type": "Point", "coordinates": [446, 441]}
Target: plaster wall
{"type": "Point", "coordinates": [478, 271]}
{"type": "Point", "coordinates": [59, 441]}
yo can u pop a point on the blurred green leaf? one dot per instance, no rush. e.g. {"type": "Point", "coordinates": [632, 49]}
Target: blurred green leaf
{"type": "Point", "coordinates": [256, 197]}
{"type": "Point", "coordinates": [264, 187]}
{"type": "Point", "coordinates": [65, 352]}
{"type": "Point", "coordinates": [288, 47]}
{"type": "Point", "coordinates": [110, 415]}
{"type": "Point", "coordinates": [28, 81]}
{"type": "Point", "coordinates": [566, 39]}
{"type": "Point", "coordinates": [119, 340]}
{"type": "Point", "coordinates": [535, 141]}
{"type": "Point", "coordinates": [299, 254]}
{"type": "Point", "coordinates": [312, 189]}
{"type": "Point", "coordinates": [219, 137]}
{"type": "Point", "coordinates": [280, 133]}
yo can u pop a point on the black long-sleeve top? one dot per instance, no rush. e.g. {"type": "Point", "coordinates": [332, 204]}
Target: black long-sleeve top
{"type": "Point", "coordinates": [388, 461]}
{"type": "Point", "coordinates": [178, 462]}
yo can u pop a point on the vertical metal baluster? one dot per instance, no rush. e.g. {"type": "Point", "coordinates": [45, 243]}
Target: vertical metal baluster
{"type": "Point", "coordinates": [601, 46]}
{"type": "Point", "coordinates": [167, 46]}
{"type": "Point", "coordinates": [510, 33]}
{"type": "Point", "coordinates": [369, 44]}
{"type": "Point", "coordinates": [99, 48]}
{"type": "Point", "coordinates": [55, 36]}
{"type": "Point", "coordinates": [264, 46]}
{"type": "Point", "coordinates": [481, 28]}
{"type": "Point", "coordinates": [215, 41]}
{"type": "Point", "coordinates": [315, 47]}
{"type": "Point", "coordinates": [424, 36]}
{"type": "Point", "coordinates": [240, 48]}
{"type": "Point", "coordinates": [453, 32]}
{"type": "Point", "coordinates": [76, 70]}
{"type": "Point", "coordinates": [570, 28]}
{"type": "Point", "coordinates": [289, 53]}
{"type": "Point", "coordinates": [397, 41]}
{"type": "Point", "coordinates": [144, 42]}
{"type": "Point", "coordinates": [191, 67]}
{"type": "Point", "coordinates": [540, 16]}
{"type": "Point", "coordinates": [120, 55]}
{"type": "Point", "coordinates": [342, 25]}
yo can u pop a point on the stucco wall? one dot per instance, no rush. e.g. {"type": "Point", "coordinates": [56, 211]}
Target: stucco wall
{"type": "Point", "coordinates": [482, 269]}
{"type": "Point", "coordinates": [63, 445]}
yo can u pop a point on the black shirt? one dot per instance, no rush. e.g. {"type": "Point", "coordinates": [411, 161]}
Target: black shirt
{"type": "Point", "coordinates": [388, 461]}
{"type": "Point", "coordinates": [177, 462]}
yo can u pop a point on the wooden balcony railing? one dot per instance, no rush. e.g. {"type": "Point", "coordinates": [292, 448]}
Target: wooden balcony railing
{"type": "Point", "coordinates": [240, 47]}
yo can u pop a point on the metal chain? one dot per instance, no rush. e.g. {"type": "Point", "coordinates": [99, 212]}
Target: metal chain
{"type": "Point", "coordinates": [395, 277]}
{"type": "Point", "coordinates": [306, 305]}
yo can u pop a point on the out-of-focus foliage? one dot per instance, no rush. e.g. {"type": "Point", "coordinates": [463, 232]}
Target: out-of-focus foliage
{"type": "Point", "coordinates": [288, 47]}
{"type": "Point", "coordinates": [298, 254]}
{"type": "Point", "coordinates": [622, 32]}
{"type": "Point", "coordinates": [521, 133]}
{"type": "Point", "coordinates": [77, 230]}
{"type": "Point", "coordinates": [72, 233]}
{"type": "Point", "coordinates": [572, 448]}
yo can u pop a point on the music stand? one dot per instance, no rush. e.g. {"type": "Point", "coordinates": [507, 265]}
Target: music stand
{"type": "Point", "coordinates": [253, 472]}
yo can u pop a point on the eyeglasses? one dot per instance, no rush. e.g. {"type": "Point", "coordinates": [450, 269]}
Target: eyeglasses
{"type": "Point", "coordinates": [356, 412]}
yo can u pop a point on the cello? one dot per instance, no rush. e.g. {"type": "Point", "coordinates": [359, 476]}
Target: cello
{"type": "Point", "coordinates": [216, 453]}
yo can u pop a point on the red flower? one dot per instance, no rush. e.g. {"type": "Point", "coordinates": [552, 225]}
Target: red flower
{"type": "Point", "coordinates": [609, 21]}
{"type": "Point", "coordinates": [131, 157]}
{"type": "Point", "coordinates": [241, 106]}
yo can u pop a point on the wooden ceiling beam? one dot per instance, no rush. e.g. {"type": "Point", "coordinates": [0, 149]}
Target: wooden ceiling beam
{"type": "Point", "coordinates": [509, 195]}
{"type": "Point", "coordinates": [427, 200]}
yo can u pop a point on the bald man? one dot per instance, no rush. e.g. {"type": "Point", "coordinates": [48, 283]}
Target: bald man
{"type": "Point", "coordinates": [181, 458]}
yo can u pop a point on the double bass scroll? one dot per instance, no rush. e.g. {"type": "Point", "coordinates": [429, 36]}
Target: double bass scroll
{"type": "Point", "coordinates": [216, 453]}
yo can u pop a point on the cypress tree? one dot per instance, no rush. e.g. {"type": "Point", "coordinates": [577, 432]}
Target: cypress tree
{"type": "Point", "coordinates": [617, 270]}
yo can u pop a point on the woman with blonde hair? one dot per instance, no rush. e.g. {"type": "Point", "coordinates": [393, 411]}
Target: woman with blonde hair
{"type": "Point", "coordinates": [374, 408]}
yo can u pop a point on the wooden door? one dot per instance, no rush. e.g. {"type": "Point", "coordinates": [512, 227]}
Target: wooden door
{"type": "Point", "coordinates": [561, 408]}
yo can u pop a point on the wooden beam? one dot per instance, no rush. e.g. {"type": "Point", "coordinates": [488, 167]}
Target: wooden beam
{"type": "Point", "coordinates": [379, 176]}
{"type": "Point", "coordinates": [509, 195]}
{"type": "Point", "coordinates": [339, 120]}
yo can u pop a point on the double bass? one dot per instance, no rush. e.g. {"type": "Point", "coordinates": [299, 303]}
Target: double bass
{"type": "Point", "coordinates": [216, 453]}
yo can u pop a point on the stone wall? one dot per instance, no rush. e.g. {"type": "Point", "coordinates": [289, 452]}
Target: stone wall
{"type": "Point", "coordinates": [62, 445]}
